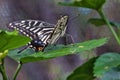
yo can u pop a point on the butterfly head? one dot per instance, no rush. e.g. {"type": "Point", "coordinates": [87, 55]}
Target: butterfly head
{"type": "Point", "coordinates": [37, 44]}
{"type": "Point", "coordinates": [63, 21]}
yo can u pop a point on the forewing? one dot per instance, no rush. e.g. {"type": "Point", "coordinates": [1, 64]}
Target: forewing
{"type": "Point", "coordinates": [34, 29]}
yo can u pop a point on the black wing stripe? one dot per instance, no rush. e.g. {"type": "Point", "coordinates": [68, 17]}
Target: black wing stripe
{"type": "Point", "coordinates": [36, 23]}
{"type": "Point", "coordinates": [45, 38]}
{"type": "Point", "coordinates": [33, 22]}
{"type": "Point", "coordinates": [29, 23]}
{"type": "Point", "coordinates": [34, 29]}
{"type": "Point", "coordinates": [28, 33]}
{"type": "Point", "coordinates": [24, 31]}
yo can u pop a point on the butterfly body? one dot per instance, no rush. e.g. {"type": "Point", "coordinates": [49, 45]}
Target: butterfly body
{"type": "Point", "coordinates": [37, 44]}
{"type": "Point", "coordinates": [40, 32]}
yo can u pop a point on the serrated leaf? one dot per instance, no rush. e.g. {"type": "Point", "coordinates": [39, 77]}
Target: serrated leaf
{"type": "Point", "coordinates": [105, 62]}
{"type": "Point", "coordinates": [92, 4]}
{"type": "Point", "coordinates": [25, 56]}
{"type": "Point", "coordinates": [10, 40]}
{"type": "Point", "coordinates": [112, 74]}
{"type": "Point", "coordinates": [83, 72]}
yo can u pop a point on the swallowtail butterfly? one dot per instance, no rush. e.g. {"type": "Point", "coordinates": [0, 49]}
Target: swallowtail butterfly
{"type": "Point", "coordinates": [40, 32]}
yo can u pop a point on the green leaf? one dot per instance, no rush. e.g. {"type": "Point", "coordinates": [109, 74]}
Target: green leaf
{"type": "Point", "coordinates": [26, 55]}
{"type": "Point", "coordinates": [18, 56]}
{"type": "Point", "coordinates": [92, 4]}
{"type": "Point", "coordinates": [105, 62]}
{"type": "Point", "coordinates": [3, 55]}
{"type": "Point", "coordinates": [83, 72]}
{"type": "Point", "coordinates": [11, 40]}
{"type": "Point", "coordinates": [97, 21]}
{"type": "Point", "coordinates": [112, 74]}
{"type": "Point", "coordinates": [15, 32]}
{"type": "Point", "coordinates": [88, 54]}
{"type": "Point", "coordinates": [101, 22]}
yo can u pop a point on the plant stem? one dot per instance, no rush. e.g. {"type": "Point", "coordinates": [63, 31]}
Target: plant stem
{"type": "Point", "coordinates": [17, 71]}
{"type": "Point", "coordinates": [109, 25]}
{"type": "Point", "coordinates": [2, 70]}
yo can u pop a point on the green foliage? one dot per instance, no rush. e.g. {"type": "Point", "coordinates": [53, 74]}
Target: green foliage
{"type": "Point", "coordinates": [101, 22]}
{"type": "Point", "coordinates": [85, 71]}
{"type": "Point", "coordinates": [105, 62]}
{"type": "Point", "coordinates": [88, 54]}
{"type": "Point", "coordinates": [8, 41]}
{"type": "Point", "coordinates": [112, 74]}
{"type": "Point", "coordinates": [3, 55]}
{"type": "Point", "coordinates": [97, 22]}
{"type": "Point", "coordinates": [25, 56]}
{"type": "Point", "coordinates": [105, 66]}
{"type": "Point", "coordinates": [92, 4]}
{"type": "Point", "coordinates": [11, 40]}
{"type": "Point", "coordinates": [98, 6]}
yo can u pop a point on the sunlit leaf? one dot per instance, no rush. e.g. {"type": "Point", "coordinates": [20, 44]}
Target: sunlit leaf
{"type": "Point", "coordinates": [3, 55]}
{"type": "Point", "coordinates": [11, 40]}
{"type": "Point", "coordinates": [26, 55]}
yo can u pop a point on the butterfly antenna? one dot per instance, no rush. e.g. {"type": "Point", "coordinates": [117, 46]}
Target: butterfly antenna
{"type": "Point", "coordinates": [69, 39]}
{"type": "Point", "coordinates": [73, 18]}
{"type": "Point", "coordinates": [23, 49]}
{"type": "Point", "coordinates": [68, 35]}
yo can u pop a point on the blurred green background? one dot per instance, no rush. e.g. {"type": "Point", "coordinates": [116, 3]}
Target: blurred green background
{"type": "Point", "coordinates": [78, 27]}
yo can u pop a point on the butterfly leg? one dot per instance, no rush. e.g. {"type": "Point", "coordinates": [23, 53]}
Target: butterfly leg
{"type": "Point", "coordinates": [69, 38]}
{"type": "Point", "coordinates": [23, 48]}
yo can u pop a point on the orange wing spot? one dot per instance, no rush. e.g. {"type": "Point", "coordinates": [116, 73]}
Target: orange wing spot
{"type": "Point", "coordinates": [40, 48]}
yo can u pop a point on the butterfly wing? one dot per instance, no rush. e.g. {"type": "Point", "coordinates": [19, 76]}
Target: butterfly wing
{"type": "Point", "coordinates": [34, 29]}
{"type": "Point", "coordinates": [40, 32]}
{"type": "Point", "coordinates": [59, 30]}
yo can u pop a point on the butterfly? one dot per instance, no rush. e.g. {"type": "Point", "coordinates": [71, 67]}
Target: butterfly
{"type": "Point", "coordinates": [40, 32]}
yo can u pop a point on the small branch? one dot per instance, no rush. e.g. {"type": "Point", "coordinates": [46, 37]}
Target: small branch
{"type": "Point", "coordinates": [17, 71]}
{"type": "Point", "coordinates": [2, 70]}
{"type": "Point", "coordinates": [109, 25]}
